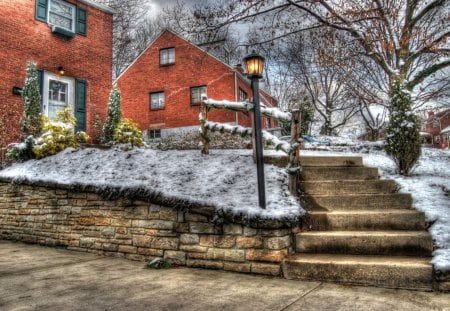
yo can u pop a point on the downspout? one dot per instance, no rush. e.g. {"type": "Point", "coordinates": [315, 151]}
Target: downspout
{"type": "Point", "coordinates": [236, 95]}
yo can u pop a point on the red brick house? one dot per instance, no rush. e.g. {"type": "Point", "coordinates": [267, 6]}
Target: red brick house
{"type": "Point", "coordinates": [438, 126]}
{"type": "Point", "coordinates": [71, 43]}
{"type": "Point", "coordinates": [162, 88]}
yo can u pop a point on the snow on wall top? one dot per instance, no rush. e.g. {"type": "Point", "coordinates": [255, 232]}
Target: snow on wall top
{"type": "Point", "coordinates": [224, 180]}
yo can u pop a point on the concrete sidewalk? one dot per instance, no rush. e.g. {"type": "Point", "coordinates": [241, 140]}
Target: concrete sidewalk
{"type": "Point", "coordinates": [41, 278]}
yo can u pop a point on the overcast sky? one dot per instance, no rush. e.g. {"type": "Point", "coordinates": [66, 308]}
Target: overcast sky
{"type": "Point", "coordinates": [157, 5]}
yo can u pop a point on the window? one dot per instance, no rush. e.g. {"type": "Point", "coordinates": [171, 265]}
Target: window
{"type": "Point", "coordinates": [152, 134]}
{"type": "Point", "coordinates": [196, 94]}
{"type": "Point", "coordinates": [167, 56]}
{"type": "Point", "coordinates": [157, 101]}
{"type": "Point", "coordinates": [242, 95]}
{"type": "Point", "coordinates": [65, 18]}
{"type": "Point", "coordinates": [58, 94]}
{"type": "Point", "coordinates": [62, 14]}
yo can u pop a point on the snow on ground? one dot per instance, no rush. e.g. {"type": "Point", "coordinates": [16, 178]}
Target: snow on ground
{"type": "Point", "coordinates": [429, 186]}
{"type": "Point", "coordinates": [226, 180]}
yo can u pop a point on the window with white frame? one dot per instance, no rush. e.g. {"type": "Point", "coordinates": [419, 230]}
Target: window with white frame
{"type": "Point", "coordinates": [167, 56]}
{"type": "Point", "coordinates": [62, 14]}
{"type": "Point", "coordinates": [157, 101]}
{"type": "Point", "coordinates": [58, 94]}
{"type": "Point", "coordinates": [196, 94]}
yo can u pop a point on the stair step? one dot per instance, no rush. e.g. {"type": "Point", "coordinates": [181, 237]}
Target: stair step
{"type": "Point", "coordinates": [330, 161]}
{"type": "Point", "coordinates": [397, 243]}
{"type": "Point", "coordinates": [358, 201]}
{"type": "Point", "coordinates": [348, 187]}
{"type": "Point", "coordinates": [277, 160]}
{"type": "Point", "coordinates": [399, 219]}
{"type": "Point", "coordinates": [391, 272]}
{"type": "Point", "coordinates": [338, 173]}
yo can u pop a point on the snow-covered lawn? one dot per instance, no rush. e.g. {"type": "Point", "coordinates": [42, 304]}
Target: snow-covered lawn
{"type": "Point", "coordinates": [226, 179]}
{"type": "Point", "coordinates": [429, 185]}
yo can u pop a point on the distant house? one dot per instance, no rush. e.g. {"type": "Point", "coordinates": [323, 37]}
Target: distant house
{"type": "Point", "coordinates": [438, 127]}
{"type": "Point", "coordinates": [71, 43]}
{"type": "Point", "coordinates": [162, 88]}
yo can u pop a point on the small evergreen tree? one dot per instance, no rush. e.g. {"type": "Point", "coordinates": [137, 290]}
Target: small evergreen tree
{"type": "Point", "coordinates": [31, 123]}
{"type": "Point", "coordinates": [114, 115]}
{"type": "Point", "coordinates": [403, 142]}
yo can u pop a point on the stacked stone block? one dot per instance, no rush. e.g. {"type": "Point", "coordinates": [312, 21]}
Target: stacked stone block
{"type": "Point", "coordinates": [140, 230]}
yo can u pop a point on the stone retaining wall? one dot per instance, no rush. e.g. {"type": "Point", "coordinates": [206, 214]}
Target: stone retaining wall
{"type": "Point", "coordinates": [140, 230]}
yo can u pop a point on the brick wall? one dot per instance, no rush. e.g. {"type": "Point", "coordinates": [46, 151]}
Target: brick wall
{"type": "Point", "coordinates": [193, 67]}
{"type": "Point", "coordinates": [140, 230]}
{"type": "Point", "coordinates": [24, 38]}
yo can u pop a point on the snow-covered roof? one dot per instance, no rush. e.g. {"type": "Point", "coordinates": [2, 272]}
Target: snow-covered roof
{"type": "Point", "coordinates": [99, 6]}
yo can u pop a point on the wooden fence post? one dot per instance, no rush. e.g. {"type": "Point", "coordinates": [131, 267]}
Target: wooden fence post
{"type": "Point", "coordinates": [205, 139]}
{"type": "Point", "coordinates": [294, 157]}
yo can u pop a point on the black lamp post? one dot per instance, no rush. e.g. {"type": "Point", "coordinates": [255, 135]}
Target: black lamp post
{"type": "Point", "coordinates": [254, 65]}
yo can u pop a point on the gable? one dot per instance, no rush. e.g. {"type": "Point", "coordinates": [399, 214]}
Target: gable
{"type": "Point", "coordinates": [183, 47]}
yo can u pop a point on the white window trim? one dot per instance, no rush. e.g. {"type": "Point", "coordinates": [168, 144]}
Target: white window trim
{"type": "Point", "coordinates": [74, 14]}
{"type": "Point", "coordinates": [70, 90]}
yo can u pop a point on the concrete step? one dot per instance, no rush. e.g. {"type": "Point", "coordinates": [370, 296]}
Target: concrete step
{"type": "Point", "coordinates": [348, 187]}
{"type": "Point", "coordinates": [330, 161]}
{"type": "Point", "coordinates": [396, 219]}
{"type": "Point", "coordinates": [358, 201]}
{"type": "Point", "coordinates": [338, 173]}
{"type": "Point", "coordinates": [396, 243]}
{"type": "Point", "coordinates": [277, 160]}
{"type": "Point", "coordinates": [391, 272]}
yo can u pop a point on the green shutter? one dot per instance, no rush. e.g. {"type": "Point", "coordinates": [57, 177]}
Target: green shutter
{"type": "Point", "coordinates": [80, 105]}
{"type": "Point", "coordinates": [41, 10]}
{"type": "Point", "coordinates": [81, 21]}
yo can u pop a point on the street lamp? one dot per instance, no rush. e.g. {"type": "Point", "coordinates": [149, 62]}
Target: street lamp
{"type": "Point", "coordinates": [254, 65]}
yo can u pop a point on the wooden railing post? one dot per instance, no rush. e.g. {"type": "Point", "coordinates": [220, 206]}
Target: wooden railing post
{"type": "Point", "coordinates": [294, 157]}
{"type": "Point", "coordinates": [205, 139]}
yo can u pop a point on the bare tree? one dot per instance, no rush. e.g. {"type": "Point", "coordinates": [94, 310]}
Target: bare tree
{"type": "Point", "coordinates": [326, 84]}
{"type": "Point", "coordinates": [221, 42]}
{"type": "Point", "coordinates": [132, 31]}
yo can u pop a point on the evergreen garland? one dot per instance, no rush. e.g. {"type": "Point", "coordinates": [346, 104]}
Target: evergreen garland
{"type": "Point", "coordinates": [114, 115]}
{"type": "Point", "coordinates": [403, 143]}
{"type": "Point", "coordinates": [31, 123]}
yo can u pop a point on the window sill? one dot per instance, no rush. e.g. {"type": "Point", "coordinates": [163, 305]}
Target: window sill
{"type": "Point", "coordinates": [63, 32]}
{"type": "Point", "coordinates": [166, 65]}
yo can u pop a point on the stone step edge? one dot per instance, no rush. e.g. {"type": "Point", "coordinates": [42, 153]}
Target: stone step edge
{"type": "Point", "coordinates": [335, 262]}
{"type": "Point", "coordinates": [375, 233]}
{"type": "Point", "coordinates": [369, 260]}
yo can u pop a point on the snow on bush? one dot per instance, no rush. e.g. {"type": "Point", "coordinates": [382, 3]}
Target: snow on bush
{"type": "Point", "coordinates": [114, 115]}
{"type": "Point", "coordinates": [128, 132]}
{"type": "Point", "coordinates": [58, 135]}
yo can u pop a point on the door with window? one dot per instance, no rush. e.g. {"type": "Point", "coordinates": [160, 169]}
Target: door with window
{"type": "Point", "coordinates": [58, 94]}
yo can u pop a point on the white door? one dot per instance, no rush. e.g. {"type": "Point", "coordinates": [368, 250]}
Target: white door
{"type": "Point", "coordinates": [58, 93]}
